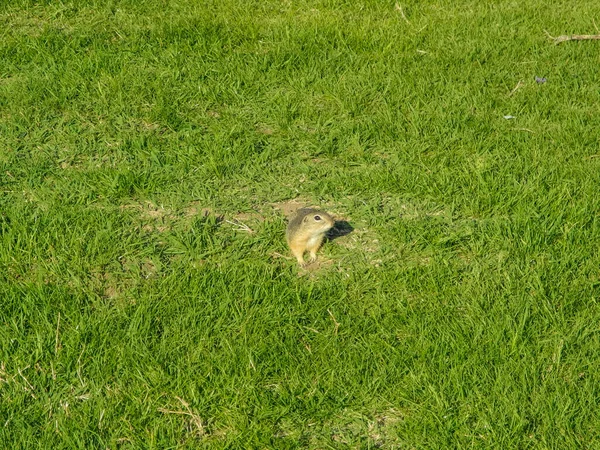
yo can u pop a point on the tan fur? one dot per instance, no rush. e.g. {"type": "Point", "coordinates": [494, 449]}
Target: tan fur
{"type": "Point", "coordinates": [305, 233]}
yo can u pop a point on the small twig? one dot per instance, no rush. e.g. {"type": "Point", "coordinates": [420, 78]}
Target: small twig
{"type": "Point", "coordinates": [397, 7]}
{"type": "Point", "coordinates": [593, 156]}
{"type": "Point", "coordinates": [573, 37]}
{"type": "Point", "coordinates": [516, 88]}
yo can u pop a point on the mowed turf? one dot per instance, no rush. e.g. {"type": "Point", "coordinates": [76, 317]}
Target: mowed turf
{"type": "Point", "coordinates": [149, 149]}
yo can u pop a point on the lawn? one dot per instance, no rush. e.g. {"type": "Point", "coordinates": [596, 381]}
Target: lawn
{"type": "Point", "coordinates": [149, 153]}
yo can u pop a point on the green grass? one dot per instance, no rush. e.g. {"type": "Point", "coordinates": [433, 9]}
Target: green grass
{"type": "Point", "coordinates": [461, 312]}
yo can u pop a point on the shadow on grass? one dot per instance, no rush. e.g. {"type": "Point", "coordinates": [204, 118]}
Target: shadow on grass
{"type": "Point", "coordinates": [340, 228]}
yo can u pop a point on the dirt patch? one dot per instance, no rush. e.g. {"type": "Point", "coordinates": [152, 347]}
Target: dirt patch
{"type": "Point", "coordinates": [153, 217]}
{"type": "Point", "coordinates": [249, 216]}
{"type": "Point", "coordinates": [315, 266]}
{"type": "Point", "coordinates": [158, 218]}
{"type": "Point", "coordinates": [243, 221]}
{"type": "Point", "coordinates": [105, 284]}
{"type": "Point", "coordinates": [149, 126]}
{"type": "Point", "coordinates": [195, 209]}
{"type": "Point", "coordinates": [261, 128]}
{"type": "Point", "coordinates": [378, 430]}
{"type": "Point", "coordinates": [148, 210]}
{"type": "Point", "coordinates": [110, 292]}
{"type": "Point", "coordinates": [349, 429]}
{"type": "Point", "coordinates": [289, 207]}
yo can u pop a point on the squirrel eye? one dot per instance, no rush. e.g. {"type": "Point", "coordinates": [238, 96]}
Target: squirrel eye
{"type": "Point", "coordinates": [317, 218]}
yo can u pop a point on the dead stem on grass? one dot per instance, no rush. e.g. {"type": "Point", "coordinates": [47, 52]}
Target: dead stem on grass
{"type": "Point", "coordinates": [240, 226]}
{"type": "Point", "coordinates": [519, 85]}
{"type": "Point", "coordinates": [195, 419]}
{"type": "Point", "coordinates": [398, 8]}
{"type": "Point", "coordinates": [57, 344]}
{"type": "Point", "coordinates": [336, 323]}
{"type": "Point", "coordinates": [572, 37]}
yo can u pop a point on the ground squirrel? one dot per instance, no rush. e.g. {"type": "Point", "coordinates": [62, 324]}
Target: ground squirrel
{"type": "Point", "coordinates": [306, 232]}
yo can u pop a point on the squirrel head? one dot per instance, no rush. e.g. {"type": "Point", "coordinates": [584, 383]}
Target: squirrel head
{"type": "Point", "coordinates": [318, 221]}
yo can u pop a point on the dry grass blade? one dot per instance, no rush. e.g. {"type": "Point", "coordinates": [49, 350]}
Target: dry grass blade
{"type": "Point", "coordinates": [523, 129]}
{"type": "Point", "coordinates": [240, 226]}
{"type": "Point", "coordinates": [31, 388]}
{"type": "Point", "coordinates": [57, 339]}
{"type": "Point", "coordinates": [397, 7]}
{"type": "Point", "coordinates": [336, 323]}
{"type": "Point", "coordinates": [516, 88]}
{"type": "Point", "coordinates": [195, 419]}
{"type": "Point", "coordinates": [573, 37]}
